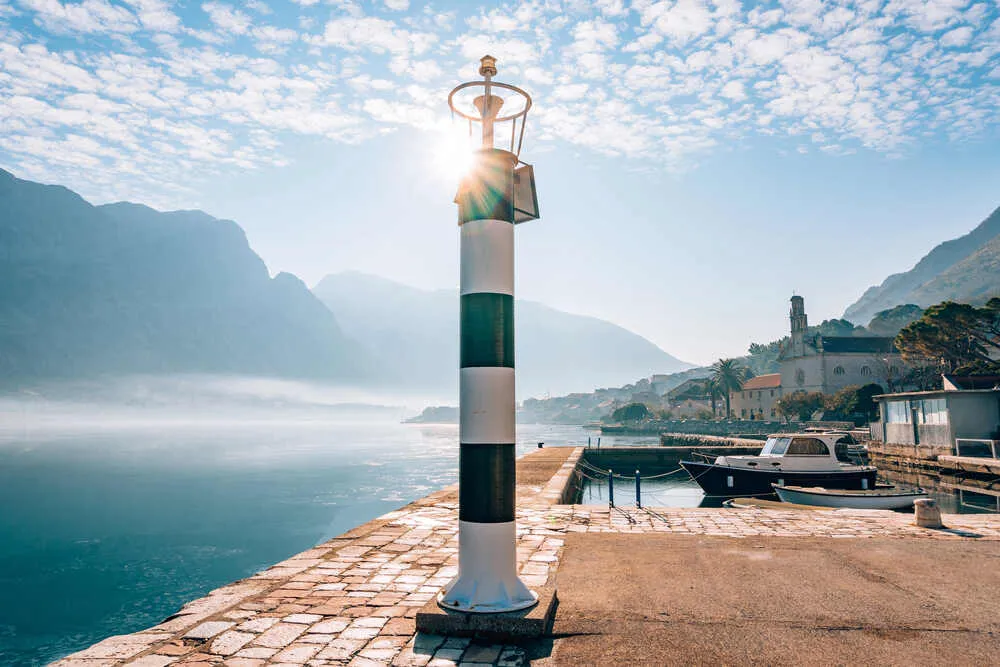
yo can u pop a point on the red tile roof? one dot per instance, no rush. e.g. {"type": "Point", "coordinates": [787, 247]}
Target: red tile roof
{"type": "Point", "coordinates": [770, 381]}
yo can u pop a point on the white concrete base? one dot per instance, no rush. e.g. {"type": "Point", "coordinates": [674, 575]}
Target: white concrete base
{"type": "Point", "coordinates": [487, 581]}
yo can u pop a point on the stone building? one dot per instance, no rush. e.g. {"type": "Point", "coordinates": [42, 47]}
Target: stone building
{"type": "Point", "coordinates": [829, 363]}
{"type": "Point", "coordinates": [757, 398]}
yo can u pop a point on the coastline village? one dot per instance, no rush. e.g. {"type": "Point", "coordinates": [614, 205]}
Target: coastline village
{"type": "Point", "coordinates": [807, 376]}
{"type": "Point", "coordinates": [918, 390]}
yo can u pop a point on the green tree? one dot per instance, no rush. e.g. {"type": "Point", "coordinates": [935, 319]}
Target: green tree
{"type": "Point", "coordinates": [925, 377]}
{"type": "Point", "coordinates": [729, 376]}
{"type": "Point", "coordinates": [715, 392]}
{"type": "Point", "coordinates": [763, 359]}
{"type": "Point", "coordinates": [843, 404]}
{"type": "Point", "coordinates": [890, 322]}
{"type": "Point", "coordinates": [866, 403]}
{"type": "Point", "coordinates": [954, 336]}
{"type": "Point", "coordinates": [853, 403]}
{"type": "Point", "coordinates": [632, 412]}
{"type": "Point", "coordinates": [799, 405]}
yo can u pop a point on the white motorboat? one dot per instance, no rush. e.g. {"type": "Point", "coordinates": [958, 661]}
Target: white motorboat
{"type": "Point", "coordinates": [804, 459]}
{"type": "Point", "coordinates": [874, 499]}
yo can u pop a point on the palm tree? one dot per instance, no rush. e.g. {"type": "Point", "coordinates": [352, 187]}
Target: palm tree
{"type": "Point", "coordinates": [714, 392]}
{"type": "Point", "coordinates": [729, 376]}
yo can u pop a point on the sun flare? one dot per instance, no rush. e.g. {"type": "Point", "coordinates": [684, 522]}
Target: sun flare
{"type": "Point", "coordinates": [452, 156]}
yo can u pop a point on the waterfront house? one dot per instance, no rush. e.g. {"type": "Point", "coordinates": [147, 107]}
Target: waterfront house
{"type": "Point", "coordinates": [950, 421]}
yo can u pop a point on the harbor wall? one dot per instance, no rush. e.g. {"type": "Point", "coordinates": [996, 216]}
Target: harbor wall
{"type": "Point", "coordinates": [719, 428]}
{"type": "Point", "coordinates": [676, 447]}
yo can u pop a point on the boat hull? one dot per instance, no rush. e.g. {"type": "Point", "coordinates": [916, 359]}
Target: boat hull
{"type": "Point", "coordinates": [875, 501]}
{"type": "Point", "coordinates": [715, 479]}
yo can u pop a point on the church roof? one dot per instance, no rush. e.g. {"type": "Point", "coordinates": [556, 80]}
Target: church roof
{"type": "Point", "coordinates": [858, 345]}
{"type": "Point", "coordinates": [769, 381]}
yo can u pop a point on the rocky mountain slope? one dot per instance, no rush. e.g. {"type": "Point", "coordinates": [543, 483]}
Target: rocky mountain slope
{"type": "Point", "coordinates": [962, 269]}
{"type": "Point", "coordinates": [88, 290]}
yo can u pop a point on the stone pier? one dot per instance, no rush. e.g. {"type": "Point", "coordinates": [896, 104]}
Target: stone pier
{"type": "Point", "coordinates": [352, 600]}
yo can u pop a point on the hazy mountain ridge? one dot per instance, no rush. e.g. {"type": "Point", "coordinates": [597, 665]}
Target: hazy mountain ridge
{"type": "Point", "coordinates": [413, 334]}
{"type": "Point", "coordinates": [122, 288]}
{"type": "Point", "coordinates": [974, 279]}
{"type": "Point", "coordinates": [963, 269]}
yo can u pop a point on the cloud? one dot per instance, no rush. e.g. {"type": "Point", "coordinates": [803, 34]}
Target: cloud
{"type": "Point", "coordinates": [145, 95]}
{"type": "Point", "coordinates": [733, 90]}
{"type": "Point", "coordinates": [226, 18]}
{"type": "Point", "coordinates": [679, 21]}
{"type": "Point", "coordinates": [957, 37]}
{"type": "Point", "coordinates": [374, 34]}
{"type": "Point", "coordinates": [155, 15]}
{"type": "Point", "coordinates": [89, 16]}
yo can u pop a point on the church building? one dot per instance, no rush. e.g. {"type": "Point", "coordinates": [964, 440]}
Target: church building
{"type": "Point", "coordinates": [830, 363]}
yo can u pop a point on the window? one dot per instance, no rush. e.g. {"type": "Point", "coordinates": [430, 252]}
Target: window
{"type": "Point", "coordinates": [772, 396]}
{"type": "Point", "coordinates": [743, 412]}
{"type": "Point", "coordinates": [865, 370]}
{"type": "Point", "coordinates": [800, 377]}
{"type": "Point", "coordinates": [893, 370]}
{"type": "Point", "coordinates": [933, 411]}
{"type": "Point", "coordinates": [775, 446]}
{"type": "Point", "coordinates": [842, 449]}
{"type": "Point", "coordinates": [897, 412]}
{"type": "Point", "coordinates": [773, 413]}
{"type": "Point", "coordinates": [808, 447]}
{"type": "Point", "coordinates": [839, 370]}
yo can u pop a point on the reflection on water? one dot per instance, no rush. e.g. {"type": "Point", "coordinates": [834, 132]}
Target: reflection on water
{"type": "Point", "coordinates": [952, 500]}
{"type": "Point", "coordinates": [110, 532]}
{"type": "Point", "coordinates": [678, 490]}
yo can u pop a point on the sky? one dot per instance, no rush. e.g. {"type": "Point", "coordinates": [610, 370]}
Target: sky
{"type": "Point", "coordinates": [697, 162]}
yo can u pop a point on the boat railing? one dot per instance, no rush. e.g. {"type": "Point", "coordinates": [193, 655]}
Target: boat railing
{"type": "Point", "coordinates": [983, 448]}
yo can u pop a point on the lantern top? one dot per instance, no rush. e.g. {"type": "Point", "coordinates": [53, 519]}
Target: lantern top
{"type": "Point", "coordinates": [487, 66]}
{"type": "Point", "coordinates": [485, 109]}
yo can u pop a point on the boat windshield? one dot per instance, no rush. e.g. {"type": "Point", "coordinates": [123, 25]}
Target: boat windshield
{"type": "Point", "coordinates": [775, 446]}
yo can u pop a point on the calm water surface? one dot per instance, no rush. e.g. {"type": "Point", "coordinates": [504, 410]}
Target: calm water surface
{"type": "Point", "coordinates": [109, 532]}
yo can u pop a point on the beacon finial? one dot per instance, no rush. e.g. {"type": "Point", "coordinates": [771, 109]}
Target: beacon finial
{"type": "Point", "coordinates": [488, 66]}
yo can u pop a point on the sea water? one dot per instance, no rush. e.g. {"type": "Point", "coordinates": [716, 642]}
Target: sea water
{"type": "Point", "coordinates": [110, 530]}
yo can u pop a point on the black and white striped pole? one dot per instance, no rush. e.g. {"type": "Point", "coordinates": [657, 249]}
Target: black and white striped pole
{"type": "Point", "coordinates": [494, 196]}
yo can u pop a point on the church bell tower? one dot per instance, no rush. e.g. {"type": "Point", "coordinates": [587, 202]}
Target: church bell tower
{"type": "Point", "coordinates": [799, 326]}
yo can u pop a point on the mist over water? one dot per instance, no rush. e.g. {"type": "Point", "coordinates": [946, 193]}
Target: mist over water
{"type": "Point", "coordinates": [114, 514]}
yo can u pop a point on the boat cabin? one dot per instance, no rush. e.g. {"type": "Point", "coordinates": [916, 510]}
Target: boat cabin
{"type": "Point", "coordinates": [797, 451]}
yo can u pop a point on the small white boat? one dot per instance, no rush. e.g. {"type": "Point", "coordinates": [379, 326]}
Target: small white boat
{"type": "Point", "coordinates": [810, 458]}
{"type": "Point", "coordinates": [874, 499]}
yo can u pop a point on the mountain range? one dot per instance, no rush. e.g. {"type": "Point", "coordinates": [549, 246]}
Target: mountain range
{"type": "Point", "coordinates": [413, 335]}
{"type": "Point", "coordinates": [121, 289]}
{"type": "Point", "coordinates": [964, 269]}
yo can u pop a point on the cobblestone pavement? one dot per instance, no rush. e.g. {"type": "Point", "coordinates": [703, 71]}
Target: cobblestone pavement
{"type": "Point", "coordinates": [353, 600]}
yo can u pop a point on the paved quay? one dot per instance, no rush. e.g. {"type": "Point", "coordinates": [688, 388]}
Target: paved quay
{"type": "Point", "coordinates": [649, 586]}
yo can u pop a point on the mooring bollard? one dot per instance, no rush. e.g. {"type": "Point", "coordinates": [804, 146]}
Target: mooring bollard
{"type": "Point", "coordinates": [588, 442]}
{"type": "Point", "coordinates": [638, 496]}
{"type": "Point", "coordinates": [927, 513]}
{"type": "Point", "coordinates": [598, 442]}
{"type": "Point", "coordinates": [611, 488]}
